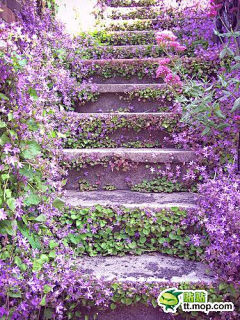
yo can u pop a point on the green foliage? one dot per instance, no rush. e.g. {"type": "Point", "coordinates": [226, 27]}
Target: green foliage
{"type": "Point", "coordinates": [160, 184]}
{"type": "Point", "coordinates": [109, 187]}
{"type": "Point", "coordinates": [95, 132]}
{"type": "Point", "coordinates": [85, 185]}
{"type": "Point", "coordinates": [111, 231]}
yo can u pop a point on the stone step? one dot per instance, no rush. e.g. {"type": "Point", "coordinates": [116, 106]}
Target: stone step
{"type": "Point", "coordinates": [130, 199]}
{"type": "Point", "coordinates": [122, 52]}
{"type": "Point", "coordinates": [127, 37]}
{"type": "Point", "coordinates": [126, 13]}
{"type": "Point", "coordinates": [146, 268]}
{"type": "Point", "coordinates": [159, 23]}
{"type": "Point", "coordinates": [151, 223]}
{"type": "Point", "coordinates": [126, 87]}
{"type": "Point", "coordinates": [144, 70]}
{"type": "Point", "coordinates": [129, 97]}
{"type": "Point", "coordinates": [135, 155]}
{"type": "Point", "coordinates": [128, 169]}
{"type": "Point", "coordinates": [118, 62]}
{"type": "Point", "coordinates": [136, 311]}
{"type": "Point", "coordinates": [131, 3]}
{"type": "Point", "coordinates": [115, 130]}
{"type": "Point", "coordinates": [134, 25]}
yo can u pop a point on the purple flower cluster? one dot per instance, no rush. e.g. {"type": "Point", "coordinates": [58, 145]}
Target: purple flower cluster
{"type": "Point", "coordinates": [219, 214]}
{"type": "Point", "coordinates": [39, 274]}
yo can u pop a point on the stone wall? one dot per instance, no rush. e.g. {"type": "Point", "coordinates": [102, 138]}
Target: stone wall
{"type": "Point", "coordinates": [9, 8]}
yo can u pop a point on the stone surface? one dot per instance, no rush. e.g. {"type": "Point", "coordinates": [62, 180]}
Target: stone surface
{"type": "Point", "coordinates": [125, 87]}
{"type": "Point", "coordinates": [125, 114]}
{"type": "Point", "coordinates": [135, 155]}
{"type": "Point", "coordinates": [118, 61]}
{"type": "Point", "coordinates": [122, 80]}
{"type": "Point", "coordinates": [135, 312]}
{"type": "Point", "coordinates": [126, 47]}
{"type": "Point", "coordinates": [130, 199]}
{"type": "Point", "coordinates": [119, 37]}
{"type": "Point", "coordinates": [120, 176]}
{"type": "Point", "coordinates": [148, 132]}
{"type": "Point", "coordinates": [112, 102]}
{"type": "Point", "coordinates": [145, 268]}
{"type": "Point", "coordinates": [122, 168]}
{"type": "Point", "coordinates": [136, 4]}
{"type": "Point", "coordinates": [126, 22]}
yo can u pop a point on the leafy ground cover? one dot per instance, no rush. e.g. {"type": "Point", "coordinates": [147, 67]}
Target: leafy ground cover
{"type": "Point", "coordinates": [40, 276]}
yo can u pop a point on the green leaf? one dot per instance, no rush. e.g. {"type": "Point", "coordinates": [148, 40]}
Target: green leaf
{"type": "Point", "coordinates": [236, 105]}
{"type": "Point", "coordinates": [47, 289]}
{"type": "Point", "coordinates": [128, 301]}
{"type": "Point", "coordinates": [33, 94]}
{"type": "Point", "coordinates": [37, 265]}
{"type": "Point", "coordinates": [132, 245]}
{"type": "Point", "coordinates": [10, 116]}
{"type": "Point", "coordinates": [5, 176]}
{"type": "Point", "coordinates": [206, 131]}
{"type": "Point", "coordinates": [53, 244]}
{"type": "Point", "coordinates": [162, 240]}
{"type": "Point", "coordinates": [2, 124]}
{"type": "Point", "coordinates": [44, 258]}
{"type": "Point", "coordinates": [30, 149]}
{"type": "Point", "coordinates": [40, 218]}
{"type": "Point", "coordinates": [43, 301]}
{"type": "Point", "coordinates": [32, 199]}
{"type": "Point", "coordinates": [3, 96]}
{"type": "Point", "coordinates": [52, 254]}
{"type": "Point", "coordinates": [32, 238]}
{"type": "Point", "coordinates": [18, 261]}
{"type": "Point", "coordinates": [22, 62]}
{"type": "Point", "coordinates": [235, 67]}
{"type": "Point", "coordinates": [222, 286]}
{"type": "Point", "coordinates": [113, 306]}
{"type": "Point", "coordinates": [15, 294]}
{"type": "Point", "coordinates": [75, 239]}
{"type": "Point", "coordinates": [219, 114]}
{"type": "Point", "coordinates": [154, 303]}
{"type": "Point", "coordinates": [48, 314]}
{"type": "Point", "coordinates": [58, 203]}
{"type": "Point", "coordinates": [8, 227]}
{"type": "Point", "coordinates": [11, 204]}
{"type": "Point", "coordinates": [29, 172]}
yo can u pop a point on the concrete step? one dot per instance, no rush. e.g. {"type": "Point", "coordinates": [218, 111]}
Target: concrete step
{"type": "Point", "coordinates": [111, 130]}
{"type": "Point", "coordinates": [121, 71]}
{"type": "Point", "coordinates": [133, 25]}
{"type": "Point", "coordinates": [87, 62]}
{"type": "Point", "coordinates": [126, 13]}
{"type": "Point", "coordinates": [129, 97]}
{"type": "Point", "coordinates": [142, 70]}
{"type": "Point", "coordinates": [127, 169]}
{"type": "Point", "coordinates": [135, 155]}
{"type": "Point", "coordinates": [137, 311]}
{"type": "Point", "coordinates": [122, 52]}
{"type": "Point", "coordinates": [127, 37]}
{"type": "Point", "coordinates": [120, 88]}
{"type": "Point", "coordinates": [146, 268]}
{"type": "Point", "coordinates": [130, 199]}
{"type": "Point", "coordinates": [157, 270]}
{"type": "Point", "coordinates": [131, 3]}
{"type": "Point", "coordinates": [159, 23]}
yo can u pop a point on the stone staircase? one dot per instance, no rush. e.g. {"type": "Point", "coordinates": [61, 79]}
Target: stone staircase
{"type": "Point", "coordinates": [115, 148]}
